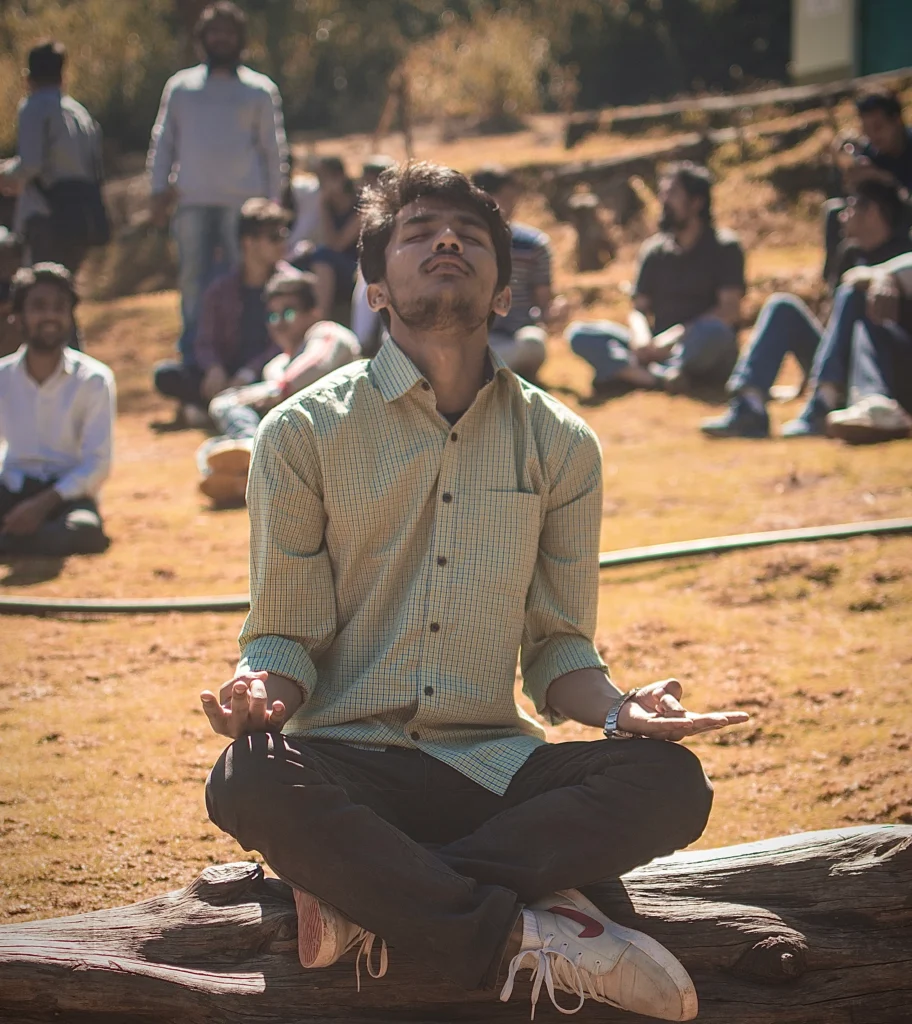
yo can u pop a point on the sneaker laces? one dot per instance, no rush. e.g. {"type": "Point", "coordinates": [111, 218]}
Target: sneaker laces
{"type": "Point", "coordinates": [550, 964]}
{"type": "Point", "coordinates": [366, 949]}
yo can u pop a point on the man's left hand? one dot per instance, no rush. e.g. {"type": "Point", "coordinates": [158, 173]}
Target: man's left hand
{"type": "Point", "coordinates": [29, 515]}
{"type": "Point", "coordinates": [657, 713]}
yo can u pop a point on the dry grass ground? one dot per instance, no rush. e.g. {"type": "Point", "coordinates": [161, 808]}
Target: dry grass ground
{"type": "Point", "coordinates": [106, 750]}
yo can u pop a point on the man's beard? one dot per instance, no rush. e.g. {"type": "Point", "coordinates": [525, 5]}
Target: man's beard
{"type": "Point", "coordinates": [42, 342]}
{"type": "Point", "coordinates": [439, 313]}
{"type": "Point", "coordinates": [223, 60]}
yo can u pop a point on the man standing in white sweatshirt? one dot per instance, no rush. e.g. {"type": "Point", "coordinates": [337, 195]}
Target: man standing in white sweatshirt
{"type": "Point", "coordinates": [218, 140]}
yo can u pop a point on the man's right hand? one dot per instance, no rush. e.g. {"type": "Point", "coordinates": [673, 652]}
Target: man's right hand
{"type": "Point", "coordinates": [241, 707]}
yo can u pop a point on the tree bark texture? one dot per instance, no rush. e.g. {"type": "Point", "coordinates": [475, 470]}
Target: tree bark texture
{"type": "Point", "coordinates": [805, 929]}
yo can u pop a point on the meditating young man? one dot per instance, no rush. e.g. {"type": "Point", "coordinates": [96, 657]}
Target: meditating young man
{"type": "Point", "coordinates": [56, 424]}
{"type": "Point", "coordinates": [417, 521]}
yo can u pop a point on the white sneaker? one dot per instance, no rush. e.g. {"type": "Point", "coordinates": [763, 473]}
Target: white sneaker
{"type": "Point", "coordinates": [325, 935]}
{"type": "Point", "coordinates": [871, 419]}
{"type": "Point", "coordinates": [569, 944]}
{"type": "Point", "coordinates": [229, 456]}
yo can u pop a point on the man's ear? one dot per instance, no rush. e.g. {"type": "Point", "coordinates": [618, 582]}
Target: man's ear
{"type": "Point", "coordinates": [377, 297]}
{"type": "Point", "coordinates": [502, 302]}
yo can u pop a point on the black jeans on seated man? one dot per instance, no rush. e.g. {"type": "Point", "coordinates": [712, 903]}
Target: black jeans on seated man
{"type": "Point", "coordinates": [175, 379]}
{"type": "Point", "coordinates": [75, 528]}
{"type": "Point", "coordinates": [438, 866]}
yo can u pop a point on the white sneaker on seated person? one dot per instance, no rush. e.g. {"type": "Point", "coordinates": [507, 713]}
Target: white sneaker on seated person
{"type": "Point", "coordinates": [569, 944]}
{"type": "Point", "coordinates": [325, 935]}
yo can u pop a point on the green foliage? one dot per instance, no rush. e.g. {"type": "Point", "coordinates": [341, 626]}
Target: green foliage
{"type": "Point", "coordinates": [119, 55]}
{"type": "Point", "coordinates": [332, 59]}
{"type": "Point", "coordinates": [487, 69]}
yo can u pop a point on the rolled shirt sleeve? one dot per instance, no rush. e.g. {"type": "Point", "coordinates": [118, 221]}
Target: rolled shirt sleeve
{"type": "Point", "coordinates": [562, 603]}
{"type": "Point", "coordinates": [288, 557]}
{"type": "Point", "coordinates": [93, 468]}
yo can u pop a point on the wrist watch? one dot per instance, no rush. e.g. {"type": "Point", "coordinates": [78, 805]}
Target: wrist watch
{"type": "Point", "coordinates": [611, 730]}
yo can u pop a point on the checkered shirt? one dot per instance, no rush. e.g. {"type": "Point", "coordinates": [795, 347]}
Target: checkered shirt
{"type": "Point", "coordinates": [398, 564]}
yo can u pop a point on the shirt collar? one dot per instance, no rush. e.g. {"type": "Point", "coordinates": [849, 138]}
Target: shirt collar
{"type": "Point", "coordinates": [395, 374]}
{"type": "Point", "coordinates": [68, 364]}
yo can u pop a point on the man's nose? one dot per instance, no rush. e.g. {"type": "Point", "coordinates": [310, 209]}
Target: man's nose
{"type": "Point", "coordinates": [447, 240]}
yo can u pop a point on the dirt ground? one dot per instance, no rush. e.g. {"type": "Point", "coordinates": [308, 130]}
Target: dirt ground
{"type": "Point", "coordinates": [106, 748]}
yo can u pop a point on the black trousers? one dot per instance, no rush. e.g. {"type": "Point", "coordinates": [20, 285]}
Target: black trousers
{"type": "Point", "coordinates": [175, 380]}
{"type": "Point", "coordinates": [74, 529]}
{"type": "Point", "coordinates": [47, 246]}
{"type": "Point", "coordinates": [435, 864]}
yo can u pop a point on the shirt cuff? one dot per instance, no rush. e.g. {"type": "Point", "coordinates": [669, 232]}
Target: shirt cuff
{"type": "Point", "coordinates": [280, 655]}
{"type": "Point", "coordinates": [561, 654]}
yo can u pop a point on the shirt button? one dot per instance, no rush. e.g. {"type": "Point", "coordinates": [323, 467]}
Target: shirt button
{"type": "Point", "coordinates": [425, 386]}
{"type": "Point", "coordinates": [441, 560]}
{"type": "Point", "coordinates": [435, 627]}
{"type": "Point", "coordinates": [447, 498]}
{"type": "Point", "coordinates": [415, 734]}
{"type": "Point", "coordinates": [429, 690]}
{"type": "Point", "coordinates": [454, 436]}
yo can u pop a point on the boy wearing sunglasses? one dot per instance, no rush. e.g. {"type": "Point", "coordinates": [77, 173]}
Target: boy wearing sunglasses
{"type": "Point", "coordinates": [310, 348]}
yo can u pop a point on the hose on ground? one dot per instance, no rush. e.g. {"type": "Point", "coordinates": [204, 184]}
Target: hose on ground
{"type": "Point", "coordinates": [607, 560]}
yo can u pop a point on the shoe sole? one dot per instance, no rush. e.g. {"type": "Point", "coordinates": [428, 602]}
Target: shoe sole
{"type": "Point", "coordinates": [317, 931]}
{"type": "Point", "coordinates": [232, 461]}
{"type": "Point", "coordinates": [852, 434]}
{"type": "Point", "coordinates": [220, 487]}
{"type": "Point", "coordinates": [669, 963]}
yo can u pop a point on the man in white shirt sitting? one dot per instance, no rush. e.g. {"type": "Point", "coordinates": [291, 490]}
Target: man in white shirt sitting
{"type": "Point", "coordinates": [311, 348]}
{"type": "Point", "coordinates": [57, 410]}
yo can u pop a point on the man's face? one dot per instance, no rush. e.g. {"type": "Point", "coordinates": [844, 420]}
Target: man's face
{"type": "Point", "coordinates": [884, 132]}
{"type": "Point", "coordinates": [267, 247]}
{"type": "Point", "coordinates": [287, 321]}
{"type": "Point", "coordinates": [47, 317]}
{"type": "Point", "coordinates": [441, 269]}
{"type": "Point", "coordinates": [862, 221]}
{"type": "Point", "coordinates": [678, 207]}
{"type": "Point", "coordinates": [222, 43]}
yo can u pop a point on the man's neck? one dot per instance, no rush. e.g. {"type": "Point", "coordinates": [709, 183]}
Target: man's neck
{"type": "Point", "coordinates": [41, 365]}
{"type": "Point", "coordinates": [452, 361]}
{"type": "Point", "coordinates": [688, 236]}
{"type": "Point", "coordinates": [255, 275]}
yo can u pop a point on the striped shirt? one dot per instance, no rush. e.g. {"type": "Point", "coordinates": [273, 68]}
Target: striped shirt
{"type": "Point", "coordinates": [531, 252]}
{"type": "Point", "coordinates": [399, 565]}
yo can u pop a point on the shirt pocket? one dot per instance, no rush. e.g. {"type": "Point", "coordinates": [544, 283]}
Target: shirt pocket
{"type": "Point", "coordinates": [498, 542]}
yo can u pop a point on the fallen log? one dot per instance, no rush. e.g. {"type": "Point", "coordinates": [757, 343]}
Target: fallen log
{"type": "Point", "coordinates": [805, 929]}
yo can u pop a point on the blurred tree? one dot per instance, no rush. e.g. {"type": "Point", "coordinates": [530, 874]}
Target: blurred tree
{"type": "Point", "coordinates": [333, 58]}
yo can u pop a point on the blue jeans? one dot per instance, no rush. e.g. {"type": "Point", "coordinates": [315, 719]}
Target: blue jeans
{"type": "Point", "coordinates": [706, 353]}
{"type": "Point", "coordinates": [787, 325]}
{"type": "Point", "coordinates": [207, 243]}
{"type": "Point", "coordinates": [881, 363]}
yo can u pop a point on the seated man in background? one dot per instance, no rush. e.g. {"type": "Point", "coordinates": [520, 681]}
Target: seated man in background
{"type": "Point", "coordinates": [335, 260]}
{"type": "Point", "coordinates": [687, 300]}
{"type": "Point", "coordinates": [883, 153]}
{"type": "Point", "coordinates": [874, 222]}
{"type": "Point", "coordinates": [310, 348]}
{"type": "Point", "coordinates": [56, 424]}
{"type": "Point", "coordinates": [519, 336]}
{"type": "Point", "coordinates": [232, 343]}
{"type": "Point", "coordinates": [10, 261]}
{"type": "Point", "coordinates": [880, 374]}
